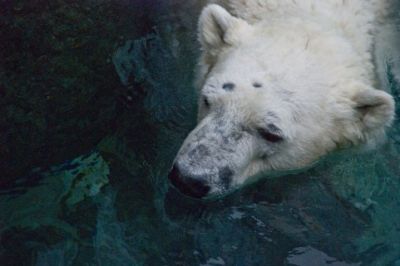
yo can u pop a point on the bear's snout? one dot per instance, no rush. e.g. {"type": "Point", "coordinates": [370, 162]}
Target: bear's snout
{"type": "Point", "coordinates": [190, 186]}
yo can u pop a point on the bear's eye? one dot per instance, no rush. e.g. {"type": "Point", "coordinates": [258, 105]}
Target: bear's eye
{"type": "Point", "coordinates": [270, 135]}
{"type": "Point", "coordinates": [206, 102]}
{"type": "Point", "coordinates": [229, 86]}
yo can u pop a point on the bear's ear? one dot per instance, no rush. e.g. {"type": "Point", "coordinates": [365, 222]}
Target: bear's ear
{"type": "Point", "coordinates": [375, 108]}
{"type": "Point", "coordinates": [215, 24]}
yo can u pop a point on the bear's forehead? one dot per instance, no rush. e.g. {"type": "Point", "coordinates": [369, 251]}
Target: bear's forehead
{"type": "Point", "coordinates": [253, 107]}
{"type": "Point", "coordinates": [283, 71]}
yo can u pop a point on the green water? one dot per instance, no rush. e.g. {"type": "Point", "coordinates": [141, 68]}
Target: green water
{"type": "Point", "coordinates": [97, 114]}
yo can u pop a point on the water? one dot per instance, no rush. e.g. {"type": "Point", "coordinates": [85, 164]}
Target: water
{"type": "Point", "coordinates": [98, 194]}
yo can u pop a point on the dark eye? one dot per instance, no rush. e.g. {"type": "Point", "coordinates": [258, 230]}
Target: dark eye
{"type": "Point", "coordinates": [206, 102]}
{"type": "Point", "coordinates": [228, 86]}
{"type": "Point", "coordinates": [270, 135]}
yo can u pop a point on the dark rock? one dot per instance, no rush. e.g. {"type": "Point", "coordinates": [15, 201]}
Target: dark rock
{"type": "Point", "coordinates": [58, 86]}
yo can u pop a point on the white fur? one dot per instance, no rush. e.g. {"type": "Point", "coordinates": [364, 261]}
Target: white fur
{"type": "Point", "coordinates": [314, 61]}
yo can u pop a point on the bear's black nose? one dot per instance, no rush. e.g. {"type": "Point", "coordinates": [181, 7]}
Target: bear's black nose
{"type": "Point", "coordinates": [187, 185]}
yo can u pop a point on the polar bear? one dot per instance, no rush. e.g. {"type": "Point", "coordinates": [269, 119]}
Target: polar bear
{"type": "Point", "coordinates": [281, 83]}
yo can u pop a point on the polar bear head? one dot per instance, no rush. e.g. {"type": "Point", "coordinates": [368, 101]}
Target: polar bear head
{"type": "Point", "coordinates": [271, 98]}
